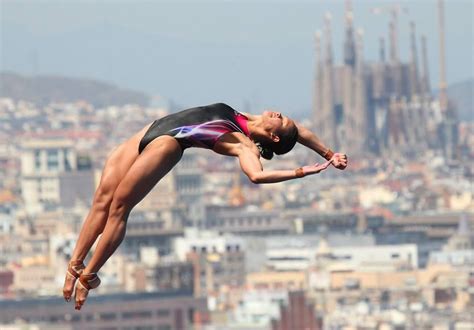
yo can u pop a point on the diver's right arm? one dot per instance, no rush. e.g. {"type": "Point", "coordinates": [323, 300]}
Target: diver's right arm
{"type": "Point", "coordinates": [250, 163]}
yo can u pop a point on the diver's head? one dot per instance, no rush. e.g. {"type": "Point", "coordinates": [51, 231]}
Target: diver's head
{"type": "Point", "coordinates": [279, 134]}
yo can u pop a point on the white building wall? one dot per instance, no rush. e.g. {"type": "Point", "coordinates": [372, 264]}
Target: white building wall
{"type": "Point", "coordinates": [30, 191]}
{"type": "Point", "coordinates": [287, 259]}
{"type": "Point", "coordinates": [210, 241]}
{"type": "Point", "coordinates": [258, 308]}
{"type": "Point", "coordinates": [454, 258]}
{"type": "Point", "coordinates": [379, 257]}
{"type": "Point", "coordinates": [42, 162]}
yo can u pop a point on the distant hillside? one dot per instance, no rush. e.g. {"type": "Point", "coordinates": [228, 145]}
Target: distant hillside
{"type": "Point", "coordinates": [42, 90]}
{"type": "Point", "coordinates": [461, 94]}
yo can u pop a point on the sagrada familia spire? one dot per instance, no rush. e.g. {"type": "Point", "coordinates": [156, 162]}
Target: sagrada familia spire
{"type": "Point", "coordinates": [381, 107]}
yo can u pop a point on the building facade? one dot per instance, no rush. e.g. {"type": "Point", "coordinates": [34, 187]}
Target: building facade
{"type": "Point", "coordinates": [162, 311]}
{"type": "Point", "coordinates": [53, 173]}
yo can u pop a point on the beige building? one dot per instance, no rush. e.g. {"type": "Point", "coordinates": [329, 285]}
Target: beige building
{"type": "Point", "coordinates": [272, 280]}
{"type": "Point", "coordinates": [394, 280]}
{"type": "Point", "coordinates": [214, 270]}
{"type": "Point", "coordinates": [438, 286]}
{"type": "Point", "coordinates": [35, 280]}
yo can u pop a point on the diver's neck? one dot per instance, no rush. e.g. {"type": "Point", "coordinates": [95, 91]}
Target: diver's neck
{"type": "Point", "coordinates": [254, 126]}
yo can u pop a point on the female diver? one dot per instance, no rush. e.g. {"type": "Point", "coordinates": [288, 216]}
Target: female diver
{"type": "Point", "coordinates": [135, 166]}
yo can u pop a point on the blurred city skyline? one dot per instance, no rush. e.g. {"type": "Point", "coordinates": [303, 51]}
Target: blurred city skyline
{"type": "Point", "coordinates": [259, 52]}
{"type": "Point", "coordinates": [388, 242]}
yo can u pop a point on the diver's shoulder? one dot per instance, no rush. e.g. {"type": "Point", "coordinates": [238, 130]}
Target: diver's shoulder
{"type": "Point", "coordinates": [221, 105]}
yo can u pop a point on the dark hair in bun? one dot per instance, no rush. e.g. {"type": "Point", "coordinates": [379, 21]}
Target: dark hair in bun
{"type": "Point", "coordinates": [286, 143]}
{"type": "Point", "coordinates": [265, 150]}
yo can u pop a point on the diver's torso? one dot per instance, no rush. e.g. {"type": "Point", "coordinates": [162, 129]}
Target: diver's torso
{"type": "Point", "coordinates": [197, 127]}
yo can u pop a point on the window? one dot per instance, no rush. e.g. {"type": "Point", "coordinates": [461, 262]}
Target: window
{"type": "Point", "coordinates": [179, 318]}
{"type": "Point", "coordinates": [69, 318]}
{"type": "Point", "coordinates": [191, 315]}
{"type": "Point", "coordinates": [163, 312]}
{"type": "Point", "coordinates": [67, 165]}
{"type": "Point", "coordinates": [52, 154]}
{"type": "Point", "coordinates": [37, 160]}
{"type": "Point", "coordinates": [75, 318]}
{"type": "Point", "coordinates": [136, 314]}
{"type": "Point", "coordinates": [56, 318]}
{"type": "Point", "coordinates": [108, 316]}
{"type": "Point", "coordinates": [164, 327]}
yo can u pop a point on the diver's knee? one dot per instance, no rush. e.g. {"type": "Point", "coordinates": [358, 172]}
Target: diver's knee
{"type": "Point", "coordinates": [104, 193]}
{"type": "Point", "coordinates": [119, 207]}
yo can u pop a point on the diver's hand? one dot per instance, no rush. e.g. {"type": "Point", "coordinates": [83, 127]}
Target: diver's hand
{"type": "Point", "coordinates": [316, 168]}
{"type": "Point", "coordinates": [339, 161]}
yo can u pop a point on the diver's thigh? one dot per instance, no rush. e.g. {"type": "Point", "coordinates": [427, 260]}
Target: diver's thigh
{"type": "Point", "coordinates": [121, 159]}
{"type": "Point", "coordinates": [156, 160]}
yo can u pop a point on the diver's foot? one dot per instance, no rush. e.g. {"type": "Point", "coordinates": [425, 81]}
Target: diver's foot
{"type": "Point", "coordinates": [86, 283]}
{"type": "Point", "coordinates": [74, 270]}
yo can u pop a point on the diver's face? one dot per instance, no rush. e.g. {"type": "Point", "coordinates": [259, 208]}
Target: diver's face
{"type": "Point", "coordinates": [276, 123]}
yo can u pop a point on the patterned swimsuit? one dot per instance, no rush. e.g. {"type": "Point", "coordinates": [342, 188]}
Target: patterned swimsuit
{"type": "Point", "coordinates": [197, 127]}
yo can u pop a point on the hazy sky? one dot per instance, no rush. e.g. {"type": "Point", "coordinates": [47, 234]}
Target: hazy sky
{"type": "Point", "coordinates": [196, 52]}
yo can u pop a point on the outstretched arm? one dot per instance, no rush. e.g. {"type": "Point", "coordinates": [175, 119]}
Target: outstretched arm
{"type": "Point", "coordinates": [310, 140]}
{"type": "Point", "coordinates": [251, 166]}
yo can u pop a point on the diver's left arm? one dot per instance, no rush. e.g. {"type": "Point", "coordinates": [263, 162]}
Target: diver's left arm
{"type": "Point", "coordinates": [310, 140]}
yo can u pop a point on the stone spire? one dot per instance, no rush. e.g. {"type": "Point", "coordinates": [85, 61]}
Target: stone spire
{"type": "Point", "coordinates": [425, 76]}
{"type": "Point", "coordinates": [396, 70]}
{"type": "Point", "coordinates": [360, 96]}
{"type": "Point", "coordinates": [382, 49]}
{"type": "Point", "coordinates": [443, 97]}
{"type": "Point", "coordinates": [327, 31]}
{"type": "Point", "coordinates": [393, 37]}
{"type": "Point", "coordinates": [317, 43]}
{"type": "Point", "coordinates": [328, 120]}
{"type": "Point", "coordinates": [318, 81]}
{"type": "Point", "coordinates": [414, 79]}
{"type": "Point", "coordinates": [349, 47]}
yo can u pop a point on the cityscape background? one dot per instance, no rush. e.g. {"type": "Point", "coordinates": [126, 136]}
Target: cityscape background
{"type": "Point", "coordinates": [386, 244]}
